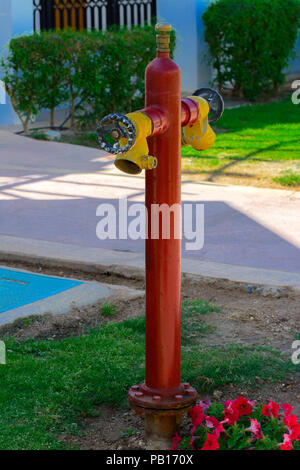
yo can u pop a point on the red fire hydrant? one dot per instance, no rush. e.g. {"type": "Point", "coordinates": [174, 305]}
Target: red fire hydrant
{"type": "Point", "coordinates": [151, 139]}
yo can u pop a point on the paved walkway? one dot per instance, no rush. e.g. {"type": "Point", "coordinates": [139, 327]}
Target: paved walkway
{"type": "Point", "coordinates": [50, 193]}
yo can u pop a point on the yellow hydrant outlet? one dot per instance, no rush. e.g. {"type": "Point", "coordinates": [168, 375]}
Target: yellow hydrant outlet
{"type": "Point", "coordinates": [199, 135]}
{"type": "Point", "coordinates": [137, 158]}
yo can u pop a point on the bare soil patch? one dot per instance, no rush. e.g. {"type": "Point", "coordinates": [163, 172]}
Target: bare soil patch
{"type": "Point", "coordinates": [242, 173]}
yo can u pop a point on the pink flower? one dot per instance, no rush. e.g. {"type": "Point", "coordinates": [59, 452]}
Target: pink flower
{"type": "Point", "coordinates": [228, 403]}
{"type": "Point", "coordinates": [236, 408]}
{"type": "Point", "coordinates": [211, 443]}
{"type": "Point", "coordinates": [252, 403]}
{"type": "Point", "coordinates": [287, 408]}
{"type": "Point", "coordinates": [293, 426]}
{"type": "Point", "coordinates": [243, 406]}
{"type": "Point", "coordinates": [231, 415]}
{"type": "Point", "coordinates": [212, 422]}
{"type": "Point", "coordinates": [176, 440]}
{"type": "Point", "coordinates": [255, 429]}
{"type": "Point", "coordinates": [205, 403]}
{"type": "Point", "coordinates": [271, 410]}
{"type": "Point", "coordinates": [287, 443]}
{"type": "Point", "coordinates": [295, 433]}
{"type": "Point", "coordinates": [290, 421]}
{"type": "Point", "coordinates": [197, 415]}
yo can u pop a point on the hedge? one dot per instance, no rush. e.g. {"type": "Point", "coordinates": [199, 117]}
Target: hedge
{"type": "Point", "coordinates": [93, 73]}
{"type": "Point", "coordinates": [251, 42]}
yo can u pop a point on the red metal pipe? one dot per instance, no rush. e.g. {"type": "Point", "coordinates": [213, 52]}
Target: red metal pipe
{"type": "Point", "coordinates": [160, 117]}
{"type": "Point", "coordinates": [190, 112]}
{"type": "Point", "coordinates": [163, 257]}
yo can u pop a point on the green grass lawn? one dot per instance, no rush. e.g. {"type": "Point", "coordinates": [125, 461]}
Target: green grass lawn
{"type": "Point", "coordinates": [261, 134]}
{"type": "Point", "coordinates": [48, 386]}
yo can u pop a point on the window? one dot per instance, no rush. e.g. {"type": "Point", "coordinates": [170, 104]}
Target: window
{"type": "Point", "coordinates": [92, 14]}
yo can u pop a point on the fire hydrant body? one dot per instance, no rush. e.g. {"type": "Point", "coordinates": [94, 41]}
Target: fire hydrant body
{"type": "Point", "coordinates": [163, 257]}
{"type": "Point", "coordinates": [162, 398]}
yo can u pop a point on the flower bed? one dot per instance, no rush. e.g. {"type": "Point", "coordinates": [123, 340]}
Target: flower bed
{"type": "Point", "coordinates": [241, 425]}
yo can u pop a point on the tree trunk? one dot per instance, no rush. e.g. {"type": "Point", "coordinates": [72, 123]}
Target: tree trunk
{"type": "Point", "coordinates": [237, 90]}
{"type": "Point", "coordinates": [24, 123]}
{"type": "Point", "coordinates": [72, 112]}
{"type": "Point", "coordinates": [52, 123]}
{"type": "Point", "coordinates": [26, 128]}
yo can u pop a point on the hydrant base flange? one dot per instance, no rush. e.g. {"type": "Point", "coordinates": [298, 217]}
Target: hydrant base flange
{"type": "Point", "coordinates": [141, 410]}
{"type": "Point", "coordinates": [162, 414]}
{"type": "Point", "coordinates": [150, 401]}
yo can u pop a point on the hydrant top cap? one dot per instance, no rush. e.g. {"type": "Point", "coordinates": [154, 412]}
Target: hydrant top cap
{"type": "Point", "coordinates": [163, 39]}
{"type": "Point", "coordinates": [163, 28]}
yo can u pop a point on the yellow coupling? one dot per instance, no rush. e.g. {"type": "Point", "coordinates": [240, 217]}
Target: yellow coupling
{"type": "Point", "coordinates": [137, 158]}
{"type": "Point", "coordinates": [199, 135]}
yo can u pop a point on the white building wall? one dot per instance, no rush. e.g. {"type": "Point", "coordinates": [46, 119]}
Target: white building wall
{"type": "Point", "coordinates": [295, 65]}
{"type": "Point", "coordinates": [22, 17]}
{"type": "Point", "coordinates": [6, 112]}
{"type": "Point", "coordinates": [186, 18]}
{"type": "Point", "coordinates": [16, 18]}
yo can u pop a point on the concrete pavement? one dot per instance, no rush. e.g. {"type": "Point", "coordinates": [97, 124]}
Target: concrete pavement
{"type": "Point", "coordinates": [50, 193]}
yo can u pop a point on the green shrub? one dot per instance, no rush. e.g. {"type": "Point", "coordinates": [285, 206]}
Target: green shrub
{"type": "Point", "coordinates": [115, 81]}
{"type": "Point", "coordinates": [251, 42]}
{"type": "Point", "coordinates": [38, 72]}
{"type": "Point", "coordinates": [24, 77]}
{"type": "Point", "coordinates": [53, 65]}
{"type": "Point", "coordinates": [94, 73]}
